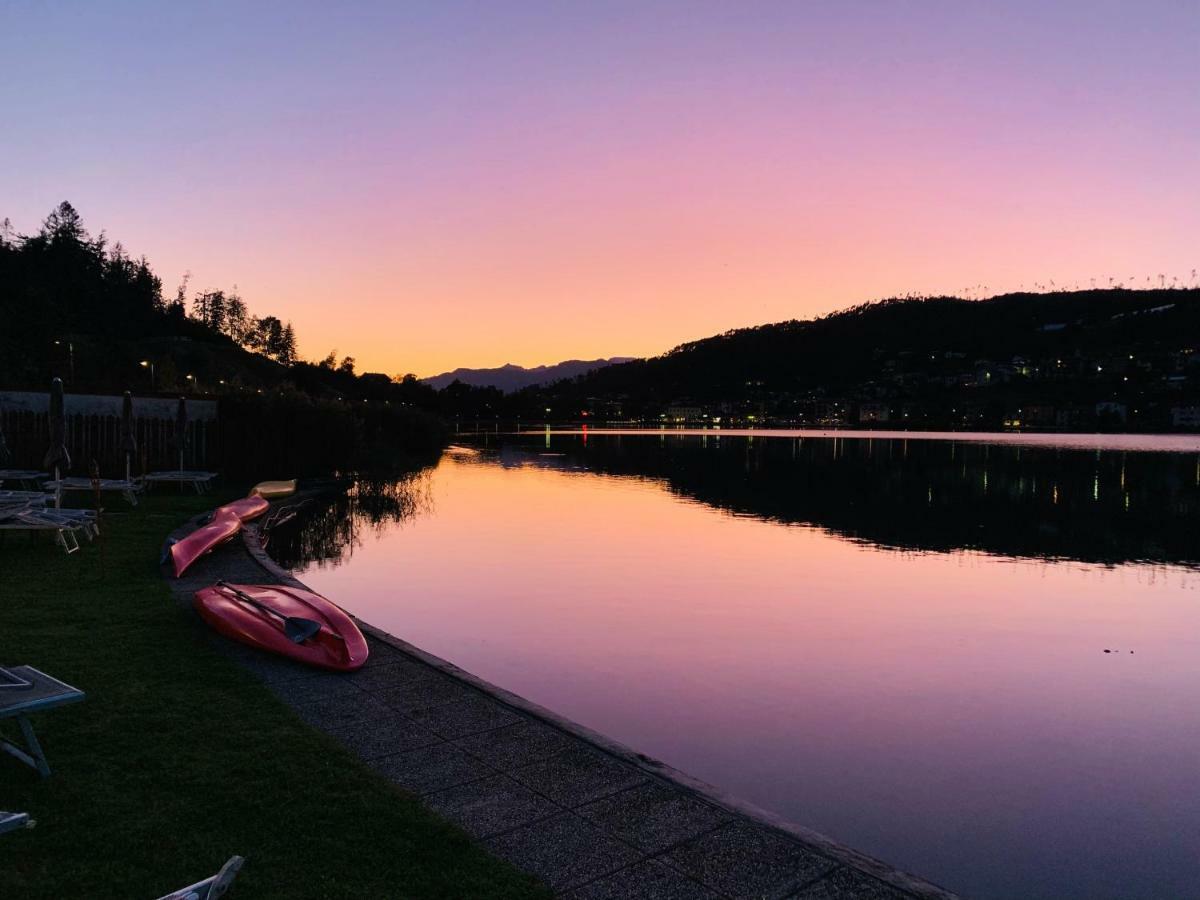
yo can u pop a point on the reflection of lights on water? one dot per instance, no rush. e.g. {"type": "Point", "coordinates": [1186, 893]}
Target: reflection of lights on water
{"type": "Point", "coordinates": [1096, 487]}
{"type": "Point", "coordinates": [1126, 503]}
{"type": "Point", "coordinates": [1055, 495]}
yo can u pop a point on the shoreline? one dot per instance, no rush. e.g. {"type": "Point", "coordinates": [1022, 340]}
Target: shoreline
{"type": "Point", "coordinates": [735, 841]}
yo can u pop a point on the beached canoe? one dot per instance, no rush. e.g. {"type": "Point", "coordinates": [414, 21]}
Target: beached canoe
{"type": "Point", "coordinates": [185, 551]}
{"type": "Point", "coordinates": [260, 621]}
{"type": "Point", "coordinates": [274, 489]}
{"type": "Point", "coordinates": [245, 509]}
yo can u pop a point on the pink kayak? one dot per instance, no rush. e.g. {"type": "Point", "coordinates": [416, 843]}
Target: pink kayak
{"type": "Point", "coordinates": [185, 551]}
{"type": "Point", "coordinates": [245, 509]}
{"type": "Point", "coordinates": [289, 621]}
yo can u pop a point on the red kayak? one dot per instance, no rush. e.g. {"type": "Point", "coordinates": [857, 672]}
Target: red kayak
{"type": "Point", "coordinates": [289, 621]}
{"type": "Point", "coordinates": [187, 550]}
{"type": "Point", "coordinates": [245, 509]}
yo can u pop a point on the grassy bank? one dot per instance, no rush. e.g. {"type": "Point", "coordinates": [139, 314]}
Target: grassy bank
{"type": "Point", "coordinates": [179, 759]}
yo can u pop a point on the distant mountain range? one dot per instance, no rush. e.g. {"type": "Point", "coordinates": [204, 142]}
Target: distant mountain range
{"type": "Point", "coordinates": [509, 377]}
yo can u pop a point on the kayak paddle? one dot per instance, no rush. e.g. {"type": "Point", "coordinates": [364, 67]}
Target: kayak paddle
{"type": "Point", "coordinates": [297, 629]}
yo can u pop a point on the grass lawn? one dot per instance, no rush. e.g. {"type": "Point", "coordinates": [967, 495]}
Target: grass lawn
{"type": "Point", "coordinates": [179, 759]}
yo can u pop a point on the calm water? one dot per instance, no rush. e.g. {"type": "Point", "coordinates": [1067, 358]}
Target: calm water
{"type": "Point", "coordinates": [897, 642]}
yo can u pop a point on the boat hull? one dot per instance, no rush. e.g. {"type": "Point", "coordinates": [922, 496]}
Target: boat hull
{"type": "Point", "coordinates": [274, 489]}
{"type": "Point", "coordinates": [246, 508]}
{"type": "Point", "coordinates": [181, 554]}
{"type": "Point", "coordinates": [338, 646]}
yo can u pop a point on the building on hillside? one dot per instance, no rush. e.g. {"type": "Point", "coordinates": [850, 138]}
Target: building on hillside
{"type": "Point", "coordinates": [680, 413]}
{"type": "Point", "coordinates": [1185, 417]}
{"type": "Point", "coordinates": [873, 412]}
{"type": "Point", "coordinates": [1112, 413]}
{"type": "Point", "coordinates": [1038, 415]}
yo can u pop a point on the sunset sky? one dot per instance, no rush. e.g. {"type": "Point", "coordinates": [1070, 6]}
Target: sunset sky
{"type": "Point", "coordinates": [432, 185]}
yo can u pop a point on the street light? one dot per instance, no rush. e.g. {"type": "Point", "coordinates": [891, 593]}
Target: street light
{"type": "Point", "coordinates": [146, 364]}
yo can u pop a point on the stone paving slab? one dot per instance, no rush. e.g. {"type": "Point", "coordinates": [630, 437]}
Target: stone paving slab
{"type": "Point", "coordinates": [653, 817]}
{"type": "Point", "coordinates": [588, 817]}
{"type": "Point", "coordinates": [468, 716]}
{"type": "Point", "coordinates": [384, 736]}
{"type": "Point", "coordinates": [846, 884]}
{"type": "Point", "coordinates": [564, 851]}
{"type": "Point", "coordinates": [432, 768]}
{"type": "Point", "coordinates": [515, 746]}
{"type": "Point", "coordinates": [491, 805]}
{"type": "Point", "coordinates": [743, 859]}
{"type": "Point", "coordinates": [578, 776]}
{"type": "Point", "coordinates": [646, 880]}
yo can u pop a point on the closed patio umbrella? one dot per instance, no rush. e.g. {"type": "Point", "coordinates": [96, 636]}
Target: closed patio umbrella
{"type": "Point", "coordinates": [128, 440]}
{"type": "Point", "coordinates": [181, 430]}
{"type": "Point", "coordinates": [57, 458]}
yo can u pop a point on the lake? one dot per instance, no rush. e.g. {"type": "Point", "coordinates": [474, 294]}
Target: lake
{"type": "Point", "coordinates": [975, 657]}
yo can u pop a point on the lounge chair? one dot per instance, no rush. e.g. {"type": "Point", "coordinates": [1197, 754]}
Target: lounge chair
{"type": "Point", "coordinates": [128, 489]}
{"type": "Point", "coordinates": [210, 888]}
{"type": "Point", "coordinates": [25, 690]}
{"type": "Point", "coordinates": [201, 482]}
{"type": "Point", "coordinates": [66, 524]}
{"type": "Point", "coordinates": [32, 498]}
{"type": "Point", "coordinates": [28, 477]}
{"type": "Point", "coordinates": [14, 821]}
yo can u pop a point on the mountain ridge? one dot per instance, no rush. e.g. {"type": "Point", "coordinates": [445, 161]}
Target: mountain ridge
{"type": "Point", "coordinates": [511, 377]}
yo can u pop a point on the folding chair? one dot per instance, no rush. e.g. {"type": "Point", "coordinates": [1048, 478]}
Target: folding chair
{"type": "Point", "coordinates": [25, 690]}
{"type": "Point", "coordinates": [209, 888]}
{"type": "Point", "coordinates": [13, 821]}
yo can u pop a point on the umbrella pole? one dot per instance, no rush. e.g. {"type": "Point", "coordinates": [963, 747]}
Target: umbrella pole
{"type": "Point", "coordinates": [57, 489]}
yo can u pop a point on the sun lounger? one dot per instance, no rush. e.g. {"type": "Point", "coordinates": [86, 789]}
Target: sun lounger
{"type": "Point", "coordinates": [25, 690]}
{"type": "Point", "coordinates": [210, 888]}
{"type": "Point", "coordinates": [29, 498]}
{"type": "Point", "coordinates": [201, 482]}
{"type": "Point", "coordinates": [27, 477]}
{"type": "Point", "coordinates": [65, 524]}
{"type": "Point", "coordinates": [14, 821]}
{"type": "Point", "coordinates": [129, 489]}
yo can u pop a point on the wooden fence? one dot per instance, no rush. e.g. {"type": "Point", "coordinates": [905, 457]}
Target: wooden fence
{"type": "Point", "coordinates": [98, 437]}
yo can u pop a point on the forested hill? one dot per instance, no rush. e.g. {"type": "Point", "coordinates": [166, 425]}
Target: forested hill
{"type": "Point", "coordinates": [81, 307]}
{"type": "Point", "coordinates": [904, 345]}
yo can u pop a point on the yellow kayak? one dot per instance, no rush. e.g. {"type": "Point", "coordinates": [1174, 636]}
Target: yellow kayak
{"type": "Point", "coordinates": [274, 489]}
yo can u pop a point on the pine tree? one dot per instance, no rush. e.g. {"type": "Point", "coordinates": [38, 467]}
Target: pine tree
{"type": "Point", "coordinates": [287, 345]}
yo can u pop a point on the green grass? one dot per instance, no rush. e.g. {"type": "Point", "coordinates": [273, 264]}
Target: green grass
{"type": "Point", "coordinates": [179, 759]}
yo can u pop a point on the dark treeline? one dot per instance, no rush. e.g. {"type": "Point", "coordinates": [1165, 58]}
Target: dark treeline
{"type": "Point", "coordinates": [81, 308]}
{"type": "Point", "coordinates": [1113, 358]}
{"type": "Point", "coordinates": [77, 306]}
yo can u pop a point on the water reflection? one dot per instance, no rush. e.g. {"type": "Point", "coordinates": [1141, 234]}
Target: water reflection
{"type": "Point", "coordinates": [1088, 505]}
{"type": "Point", "coordinates": [327, 533]}
{"type": "Point", "coordinates": [876, 639]}
{"type": "Point", "coordinates": [1108, 506]}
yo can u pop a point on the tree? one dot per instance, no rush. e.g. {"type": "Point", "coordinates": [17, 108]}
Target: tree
{"type": "Point", "coordinates": [178, 306]}
{"type": "Point", "coordinates": [209, 307]}
{"type": "Point", "coordinates": [287, 345]}
{"type": "Point", "coordinates": [329, 362]}
{"type": "Point", "coordinates": [237, 317]}
{"type": "Point", "coordinates": [347, 365]}
{"type": "Point", "coordinates": [65, 224]}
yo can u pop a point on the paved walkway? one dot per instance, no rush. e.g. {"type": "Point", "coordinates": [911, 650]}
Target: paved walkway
{"type": "Point", "coordinates": [589, 817]}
